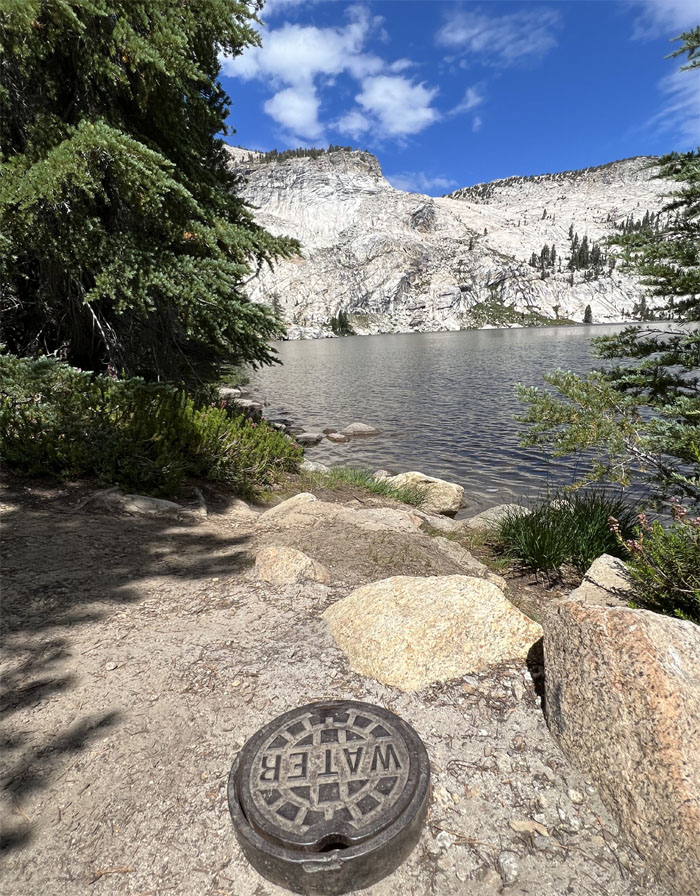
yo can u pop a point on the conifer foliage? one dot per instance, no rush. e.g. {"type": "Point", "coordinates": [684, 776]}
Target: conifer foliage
{"type": "Point", "coordinates": [122, 242]}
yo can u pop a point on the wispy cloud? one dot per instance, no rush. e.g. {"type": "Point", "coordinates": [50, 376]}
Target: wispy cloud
{"type": "Point", "coordinates": [420, 182]}
{"type": "Point", "coordinates": [679, 115]}
{"type": "Point", "coordinates": [663, 18]}
{"type": "Point", "coordinates": [471, 99]}
{"type": "Point", "coordinates": [500, 40]}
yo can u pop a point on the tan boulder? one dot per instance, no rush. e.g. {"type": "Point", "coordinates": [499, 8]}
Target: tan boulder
{"type": "Point", "coordinates": [281, 565]}
{"type": "Point", "coordinates": [305, 511]}
{"type": "Point", "coordinates": [490, 519]}
{"type": "Point", "coordinates": [606, 583]}
{"type": "Point", "coordinates": [623, 701]}
{"type": "Point", "coordinates": [408, 632]}
{"type": "Point", "coordinates": [439, 496]}
{"type": "Point", "coordinates": [360, 429]}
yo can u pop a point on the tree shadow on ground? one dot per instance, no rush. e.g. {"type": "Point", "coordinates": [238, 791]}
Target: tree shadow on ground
{"type": "Point", "coordinates": [65, 568]}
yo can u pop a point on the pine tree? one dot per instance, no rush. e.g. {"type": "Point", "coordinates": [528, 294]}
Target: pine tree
{"type": "Point", "coordinates": [122, 241]}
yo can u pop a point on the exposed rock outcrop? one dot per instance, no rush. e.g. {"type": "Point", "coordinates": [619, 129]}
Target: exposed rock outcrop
{"type": "Point", "coordinates": [409, 632]}
{"type": "Point", "coordinates": [281, 565]}
{"type": "Point", "coordinates": [623, 700]}
{"type": "Point", "coordinates": [399, 262]}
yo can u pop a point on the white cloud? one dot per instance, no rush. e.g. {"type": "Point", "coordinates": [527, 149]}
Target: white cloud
{"type": "Point", "coordinates": [296, 54]}
{"type": "Point", "coordinates": [476, 124]}
{"type": "Point", "coordinates": [420, 182]}
{"type": "Point", "coordinates": [299, 62]}
{"type": "Point", "coordinates": [680, 114]}
{"type": "Point", "coordinates": [471, 99]}
{"type": "Point", "coordinates": [399, 107]}
{"type": "Point", "coordinates": [501, 40]}
{"type": "Point", "coordinates": [664, 18]}
{"type": "Point", "coordinates": [296, 109]}
{"type": "Point", "coordinates": [353, 123]}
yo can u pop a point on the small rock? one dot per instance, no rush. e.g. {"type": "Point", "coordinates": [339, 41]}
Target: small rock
{"type": "Point", "coordinates": [518, 691]}
{"type": "Point", "coordinates": [309, 438]}
{"type": "Point", "coordinates": [489, 519]}
{"type": "Point", "coordinates": [336, 437]}
{"type": "Point", "coordinates": [508, 867]}
{"type": "Point", "coordinates": [228, 393]}
{"type": "Point", "coordinates": [575, 796]}
{"type": "Point", "coordinates": [360, 429]}
{"type": "Point", "coordinates": [439, 496]}
{"type": "Point", "coordinates": [528, 827]}
{"type": "Point", "coordinates": [445, 840]}
{"type": "Point", "coordinates": [313, 466]}
{"type": "Point", "coordinates": [110, 667]}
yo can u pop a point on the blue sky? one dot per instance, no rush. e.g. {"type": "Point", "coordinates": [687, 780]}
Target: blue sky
{"type": "Point", "coordinates": [448, 94]}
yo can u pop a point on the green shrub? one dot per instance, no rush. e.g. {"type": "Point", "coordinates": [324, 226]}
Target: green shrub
{"type": "Point", "coordinates": [145, 436]}
{"type": "Point", "coordinates": [572, 528]}
{"type": "Point", "coordinates": [664, 566]}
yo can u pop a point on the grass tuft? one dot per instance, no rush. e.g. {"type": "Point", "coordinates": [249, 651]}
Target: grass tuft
{"type": "Point", "coordinates": [570, 529]}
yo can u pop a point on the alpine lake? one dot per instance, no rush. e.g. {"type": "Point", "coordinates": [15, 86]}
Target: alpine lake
{"type": "Point", "coordinates": [444, 402]}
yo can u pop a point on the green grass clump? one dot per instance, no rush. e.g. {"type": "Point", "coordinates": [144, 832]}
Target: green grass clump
{"type": "Point", "coordinates": [144, 436]}
{"type": "Point", "coordinates": [364, 479]}
{"type": "Point", "coordinates": [571, 529]}
{"type": "Point", "coordinates": [664, 566]}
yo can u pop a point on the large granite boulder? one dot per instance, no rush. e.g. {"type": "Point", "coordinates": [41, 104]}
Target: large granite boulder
{"type": "Point", "coordinates": [409, 632]}
{"type": "Point", "coordinates": [281, 565]}
{"type": "Point", "coordinates": [438, 496]}
{"type": "Point", "coordinates": [623, 701]}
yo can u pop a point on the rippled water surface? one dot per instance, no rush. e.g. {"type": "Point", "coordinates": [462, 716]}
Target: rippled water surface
{"type": "Point", "coordinates": [443, 401]}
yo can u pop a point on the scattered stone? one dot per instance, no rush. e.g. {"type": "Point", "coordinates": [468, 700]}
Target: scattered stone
{"type": "Point", "coordinates": [250, 408]}
{"type": "Point", "coordinates": [381, 475]}
{"type": "Point", "coordinates": [110, 667]}
{"type": "Point", "coordinates": [508, 867]}
{"type": "Point", "coordinates": [360, 429]}
{"type": "Point", "coordinates": [309, 438]}
{"type": "Point", "coordinates": [229, 393]}
{"type": "Point", "coordinates": [528, 827]}
{"type": "Point", "coordinates": [408, 632]}
{"type": "Point", "coordinates": [575, 796]}
{"type": "Point", "coordinates": [623, 701]}
{"type": "Point", "coordinates": [285, 507]}
{"type": "Point", "coordinates": [313, 466]}
{"type": "Point", "coordinates": [336, 437]}
{"type": "Point", "coordinates": [439, 496]}
{"type": "Point", "coordinates": [490, 519]}
{"type": "Point", "coordinates": [606, 583]}
{"type": "Point", "coordinates": [281, 565]}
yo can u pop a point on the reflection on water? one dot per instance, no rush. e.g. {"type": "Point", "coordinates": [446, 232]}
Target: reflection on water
{"type": "Point", "coordinates": [444, 402]}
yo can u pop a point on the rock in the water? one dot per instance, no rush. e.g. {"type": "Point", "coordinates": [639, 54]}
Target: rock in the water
{"type": "Point", "coordinates": [439, 496]}
{"type": "Point", "coordinates": [281, 565]}
{"type": "Point", "coordinates": [336, 437]}
{"type": "Point", "coordinates": [623, 700]}
{"type": "Point", "coordinates": [490, 519]}
{"type": "Point", "coordinates": [313, 466]}
{"type": "Point", "coordinates": [360, 429]}
{"type": "Point", "coordinates": [408, 632]}
{"type": "Point", "coordinates": [309, 438]}
{"type": "Point", "coordinates": [606, 583]}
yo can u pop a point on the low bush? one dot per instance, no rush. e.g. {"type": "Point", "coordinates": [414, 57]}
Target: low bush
{"type": "Point", "coordinates": [664, 565]}
{"type": "Point", "coordinates": [144, 436]}
{"type": "Point", "coordinates": [569, 529]}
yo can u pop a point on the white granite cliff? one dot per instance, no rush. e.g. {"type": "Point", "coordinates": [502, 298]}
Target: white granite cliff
{"type": "Point", "coordinates": [398, 262]}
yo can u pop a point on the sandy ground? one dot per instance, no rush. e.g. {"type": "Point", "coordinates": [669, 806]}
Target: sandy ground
{"type": "Point", "coordinates": [140, 653]}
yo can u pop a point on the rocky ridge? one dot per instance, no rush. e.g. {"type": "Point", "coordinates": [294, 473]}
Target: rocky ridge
{"type": "Point", "coordinates": [403, 262]}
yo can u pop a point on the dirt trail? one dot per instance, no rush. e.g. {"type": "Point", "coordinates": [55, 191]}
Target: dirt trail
{"type": "Point", "coordinates": [140, 653]}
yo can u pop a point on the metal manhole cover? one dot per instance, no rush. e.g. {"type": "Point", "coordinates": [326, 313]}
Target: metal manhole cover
{"type": "Point", "coordinates": [330, 797]}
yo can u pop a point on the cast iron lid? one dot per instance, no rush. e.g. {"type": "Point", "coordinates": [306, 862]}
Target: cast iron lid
{"type": "Point", "coordinates": [330, 775]}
